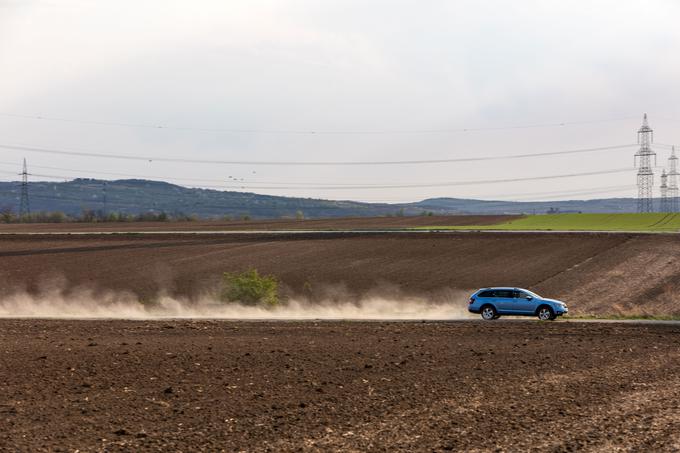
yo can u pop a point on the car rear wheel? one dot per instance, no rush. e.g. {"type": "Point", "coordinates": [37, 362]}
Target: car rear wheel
{"type": "Point", "coordinates": [489, 313]}
{"type": "Point", "coordinates": [546, 314]}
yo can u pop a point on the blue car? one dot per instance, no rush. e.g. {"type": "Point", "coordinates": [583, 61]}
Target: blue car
{"type": "Point", "coordinates": [491, 303]}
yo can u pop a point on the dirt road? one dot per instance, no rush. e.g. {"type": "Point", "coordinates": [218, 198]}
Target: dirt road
{"type": "Point", "coordinates": [343, 386]}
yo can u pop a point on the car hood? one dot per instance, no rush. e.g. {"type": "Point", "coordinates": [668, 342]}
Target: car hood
{"type": "Point", "coordinates": [555, 301]}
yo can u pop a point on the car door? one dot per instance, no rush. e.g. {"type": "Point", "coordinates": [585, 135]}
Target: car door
{"type": "Point", "coordinates": [505, 302]}
{"type": "Point", "coordinates": [524, 303]}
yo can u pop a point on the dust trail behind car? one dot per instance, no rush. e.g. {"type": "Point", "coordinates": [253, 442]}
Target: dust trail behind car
{"type": "Point", "coordinates": [111, 305]}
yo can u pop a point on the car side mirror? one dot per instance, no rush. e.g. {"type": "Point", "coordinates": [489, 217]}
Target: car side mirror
{"type": "Point", "coordinates": [529, 297]}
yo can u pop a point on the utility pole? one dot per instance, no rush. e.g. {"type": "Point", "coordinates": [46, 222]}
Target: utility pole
{"type": "Point", "coordinates": [24, 204]}
{"type": "Point", "coordinates": [643, 159]}
{"type": "Point", "coordinates": [673, 182]}
{"type": "Point", "coordinates": [664, 192]}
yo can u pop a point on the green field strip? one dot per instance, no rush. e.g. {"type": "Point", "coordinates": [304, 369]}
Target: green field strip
{"type": "Point", "coordinates": [580, 222]}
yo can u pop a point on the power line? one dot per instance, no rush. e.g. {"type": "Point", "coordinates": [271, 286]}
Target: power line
{"type": "Point", "coordinates": [156, 178]}
{"type": "Point", "coordinates": [561, 192]}
{"type": "Point", "coordinates": [245, 185]}
{"type": "Point", "coordinates": [443, 184]}
{"type": "Point", "coordinates": [169, 178]}
{"type": "Point", "coordinates": [548, 195]}
{"type": "Point", "coordinates": [158, 126]}
{"type": "Point", "coordinates": [305, 163]}
{"type": "Point", "coordinates": [535, 196]}
{"type": "Point", "coordinates": [37, 174]}
{"type": "Point", "coordinates": [664, 145]}
{"type": "Point", "coordinates": [409, 186]}
{"type": "Point", "coordinates": [126, 175]}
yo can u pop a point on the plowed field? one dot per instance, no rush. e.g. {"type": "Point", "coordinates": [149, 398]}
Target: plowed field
{"type": "Point", "coordinates": [338, 386]}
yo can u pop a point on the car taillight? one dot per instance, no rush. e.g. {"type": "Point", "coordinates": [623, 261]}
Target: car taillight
{"type": "Point", "coordinates": [472, 300]}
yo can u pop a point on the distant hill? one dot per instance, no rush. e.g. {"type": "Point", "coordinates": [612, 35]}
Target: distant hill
{"type": "Point", "coordinates": [465, 206]}
{"type": "Point", "coordinates": [133, 196]}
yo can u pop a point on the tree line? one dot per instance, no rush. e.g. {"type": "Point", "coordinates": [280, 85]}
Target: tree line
{"type": "Point", "coordinates": [8, 215]}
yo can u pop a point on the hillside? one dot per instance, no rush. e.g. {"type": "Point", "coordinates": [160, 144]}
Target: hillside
{"type": "Point", "coordinates": [133, 196]}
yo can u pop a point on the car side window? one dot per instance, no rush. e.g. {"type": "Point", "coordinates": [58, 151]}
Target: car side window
{"type": "Point", "coordinates": [503, 293]}
{"type": "Point", "coordinates": [486, 294]}
{"type": "Point", "coordinates": [520, 295]}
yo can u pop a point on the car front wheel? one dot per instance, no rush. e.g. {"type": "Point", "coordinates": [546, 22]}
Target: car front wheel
{"type": "Point", "coordinates": [546, 314]}
{"type": "Point", "coordinates": [489, 313]}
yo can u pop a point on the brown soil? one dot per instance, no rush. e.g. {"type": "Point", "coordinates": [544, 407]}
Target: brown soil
{"type": "Point", "coordinates": [338, 386]}
{"type": "Point", "coordinates": [277, 224]}
{"type": "Point", "coordinates": [597, 273]}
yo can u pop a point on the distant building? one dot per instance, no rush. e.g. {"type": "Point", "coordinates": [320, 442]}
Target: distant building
{"type": "Point", "coordinates": [561, 211]}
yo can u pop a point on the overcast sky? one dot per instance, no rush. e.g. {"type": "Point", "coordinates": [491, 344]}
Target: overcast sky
{"type": "Point", "coordinates": [370, 77]}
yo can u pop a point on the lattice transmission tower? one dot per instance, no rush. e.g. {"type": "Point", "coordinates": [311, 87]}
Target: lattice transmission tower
{"type": "Point", "coordinates": [664, 192]}
{"type": "Point", "coordinates": [643, 159]}
{"type": "Point", "coordinates": [673, 182]}
{"type": "Point", "coordinates": [24, 203]}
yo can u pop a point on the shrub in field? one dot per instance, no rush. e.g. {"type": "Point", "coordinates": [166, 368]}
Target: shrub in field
{"type": "Point", "coordinates": [250, 288]}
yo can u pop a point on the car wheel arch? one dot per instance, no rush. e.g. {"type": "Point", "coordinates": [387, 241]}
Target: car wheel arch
{"type": "Point", "coordinates": [493, 308]}
{"type": "Point", "coordinates": [544, 305]}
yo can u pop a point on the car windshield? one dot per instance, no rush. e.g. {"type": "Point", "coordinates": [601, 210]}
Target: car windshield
{"type": "Point", "coordinates": [531, 294]}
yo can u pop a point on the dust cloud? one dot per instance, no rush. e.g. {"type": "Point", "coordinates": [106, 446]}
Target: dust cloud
{"type": "Point", "coordinates": [85, 304]}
